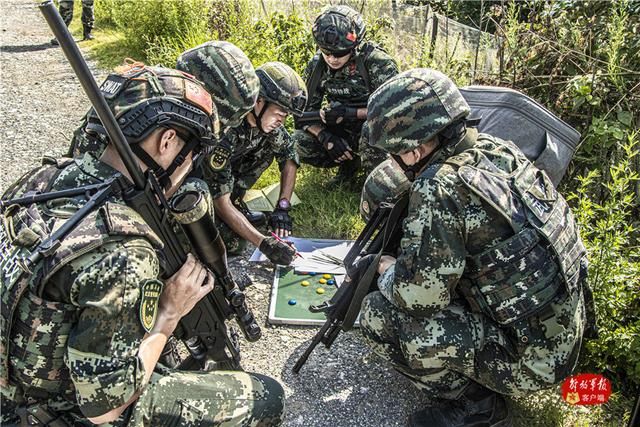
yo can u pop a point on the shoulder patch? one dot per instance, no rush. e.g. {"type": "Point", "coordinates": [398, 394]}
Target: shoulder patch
{"type": "Point", "coordinates": [150, 291]}
{"type": "Point", "coordinates": [219, 157]}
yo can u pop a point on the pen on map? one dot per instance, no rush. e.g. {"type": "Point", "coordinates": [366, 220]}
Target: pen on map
{"type": "Point", "coordinates": [288, 243]}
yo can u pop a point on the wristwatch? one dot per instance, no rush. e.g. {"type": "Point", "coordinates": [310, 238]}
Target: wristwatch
{"type": "Point", "coordinates": [284, 204]}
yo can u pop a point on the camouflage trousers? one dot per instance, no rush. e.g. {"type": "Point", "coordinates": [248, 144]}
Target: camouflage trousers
{"type": "Point", "coordinates": [232, 241]}
{"type": "Point", "coordinates": [66, 11]}
{"type": "Point", "coordinates": [313, 153]}
{"type": "Point", "coordinates": [442, 353]}
{"type": "Point", "coordinates": [210, 398]}
{"type": "Point", "coordinates": [190, 398]}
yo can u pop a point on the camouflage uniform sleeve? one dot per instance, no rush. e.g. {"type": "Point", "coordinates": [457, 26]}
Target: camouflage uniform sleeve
{"type": "Point", "coordinates": [102, 351]}
{"type": "Point", "coordinates": [221, 181]}
{"type": "Point", "coordinates": [432, 251]}
{"type": "Point", "coordinates": [283, 147]}
{"type": "Point", "coordinates": [381, 67]}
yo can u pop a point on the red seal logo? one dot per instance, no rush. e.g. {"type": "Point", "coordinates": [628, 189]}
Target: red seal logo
{"type": "Point", "coordinates": [586, 389]}
{"type": "Point", "coordinates": [352, 37]}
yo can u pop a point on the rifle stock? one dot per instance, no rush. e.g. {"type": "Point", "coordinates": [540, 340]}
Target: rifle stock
{"type": "Point", "coordinates": [203, 329]}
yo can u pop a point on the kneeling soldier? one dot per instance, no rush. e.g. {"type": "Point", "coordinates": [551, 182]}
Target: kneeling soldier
{"type": "Point", "coordinates": [82, 329]}
{"type": "Point", "coordinates": [486, 297]}
{"type": "Point", "coordinates": [249, 149]}
{"type": "Point", "coordinates": [343, 73]}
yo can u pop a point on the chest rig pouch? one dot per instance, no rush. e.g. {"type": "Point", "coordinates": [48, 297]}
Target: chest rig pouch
{"type": "Point", "coordinates": [34, 331]}
{"type": "Point", "coordinates": [520, 276]}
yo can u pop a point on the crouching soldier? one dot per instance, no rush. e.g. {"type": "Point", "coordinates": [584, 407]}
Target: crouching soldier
{"type": "Point", "coordinates": [82, 328]}
{"type": "Point", "coordinates": [341, 76]}
{"type": "Point", "coordinates": [246, 151]}
{"type": "Point", "coordinates": [485, 297]}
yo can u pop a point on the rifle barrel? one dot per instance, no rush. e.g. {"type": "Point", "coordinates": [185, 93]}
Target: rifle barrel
{"type": "Point", "coordinates": [317, 339]}
{"type": "Point", "coordinates": [75, 58]}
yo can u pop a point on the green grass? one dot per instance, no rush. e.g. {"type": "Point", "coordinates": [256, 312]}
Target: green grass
{"type": "Point", "coordinates": [547, 409]}
{"type": "Point", "coordinates": [326, 211]}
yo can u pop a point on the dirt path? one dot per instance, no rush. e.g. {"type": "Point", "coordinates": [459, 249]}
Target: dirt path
{"type": "Point", "coordinates": [41, 104]}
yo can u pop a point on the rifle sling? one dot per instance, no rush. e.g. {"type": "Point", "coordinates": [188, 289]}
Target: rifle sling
{"type": "Point", "coordinates": [362, 288]}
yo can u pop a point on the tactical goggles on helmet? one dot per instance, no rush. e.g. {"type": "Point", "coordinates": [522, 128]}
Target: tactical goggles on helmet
{"type": "Point", "coordinates": [336, 53]}
{"type": "Point", "coordinates": [293, 104]}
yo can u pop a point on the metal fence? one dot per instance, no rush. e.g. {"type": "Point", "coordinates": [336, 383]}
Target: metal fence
{"type": "Point", "coordinates": [418, 36]}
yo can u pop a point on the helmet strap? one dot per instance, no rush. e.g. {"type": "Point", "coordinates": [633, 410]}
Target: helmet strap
{"type": "Point", "coordinates": [164, 175]}
{"type": "Point", "coordinates": [411, 172]}
{"type": "Point", "coordinates": [258, 117]}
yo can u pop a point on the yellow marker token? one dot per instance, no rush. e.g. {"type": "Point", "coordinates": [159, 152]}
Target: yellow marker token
{"type": "Point", "coordinates": [305, 283]}
{"type": "Point", "coordinates": [320, 291]}
{"type": "Point", "coordinates": [326, 276]}
{"type": "Point", "coordinates": [322, 281]}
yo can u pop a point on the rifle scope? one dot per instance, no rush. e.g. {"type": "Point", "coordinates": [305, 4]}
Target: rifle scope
{"type": "Point", "coordinates": [191, 211]}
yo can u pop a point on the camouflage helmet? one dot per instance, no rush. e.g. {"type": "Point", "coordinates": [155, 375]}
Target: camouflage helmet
{"type": "Point", "coordinates": [144, 98]}
{"type": "Point", "coordinates": [411, 108]}
{"type": "Point", "coordinates": [281, 85]}
{"type": "Point", "coordinates": [385, 183]}
{"type": "Point", "coordinates": [338, 30]}
{"type": "Point", "coordinates": [227, 74]}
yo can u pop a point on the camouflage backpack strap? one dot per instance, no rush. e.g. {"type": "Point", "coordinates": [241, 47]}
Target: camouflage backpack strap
{"type": "Point", "coordinates": [315, 76]}
{"type": "Point", "coordinates": [36, 180]}
{"type": "Point", "coordinates": [21, 229]}
{"type": "Point", "coordinates": [110, 221]}
{"type": "Point", "coordinates": [361, 58]}
{"type": "Point", "coordinates": [490, 184]}
{"type": "Point", "coordinates": [548, 212]}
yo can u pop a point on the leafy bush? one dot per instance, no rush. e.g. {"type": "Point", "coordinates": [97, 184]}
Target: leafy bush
{"type": "Point", "coordinates": [157, 30]}
{"type": "Point", "coordinates": [608, 227]}
{"type": "Point", "coordinates": [285, 38]}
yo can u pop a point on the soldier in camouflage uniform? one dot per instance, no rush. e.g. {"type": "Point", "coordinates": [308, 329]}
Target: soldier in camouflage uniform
{"type": "Point", "coordinates": [252, 147]}
{"type": "Point", "coordinates": [341, 76]}
{"type": "Point", "coordinates": [252, 115]}
{"type": "Point", "coordinates": [229, 77]}
{"type": "Point", "coordinates": [65, 7]}
{"type": "Point", "coordinates": [83, 328]}
{"type": "Point", "coordinates": [486, 296]}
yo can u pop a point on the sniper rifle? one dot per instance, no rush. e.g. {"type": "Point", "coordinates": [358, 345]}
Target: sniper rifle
{"type": "Point", "coordinates": [203, 330]}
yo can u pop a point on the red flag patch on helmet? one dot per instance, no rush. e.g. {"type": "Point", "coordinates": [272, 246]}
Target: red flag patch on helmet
{"type": "Point", "coordinates": [352, 37]}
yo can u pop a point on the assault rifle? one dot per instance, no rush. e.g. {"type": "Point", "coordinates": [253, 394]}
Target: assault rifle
{"type": "Point", "coordinates": [309, 116]}
{"type": "Point", "coordinates": [203, 330]}
{"type": "Point", "coordinates": [314, 116]}
{"type": "Point", "coordinates": [380, 236]}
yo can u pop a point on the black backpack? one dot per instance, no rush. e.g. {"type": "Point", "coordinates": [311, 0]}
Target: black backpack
{"type": "Point", "coordinates": [544, 138]}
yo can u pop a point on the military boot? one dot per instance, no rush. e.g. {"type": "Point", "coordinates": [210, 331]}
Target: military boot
{"type": "Point", "coordinates": [256, 218]}
{"type": "Point", "coordinates": [347, 175]}
{"type": "Point", "coordinates": [86, 33]}
{"type": "Point", "coordinates": [477, 407]}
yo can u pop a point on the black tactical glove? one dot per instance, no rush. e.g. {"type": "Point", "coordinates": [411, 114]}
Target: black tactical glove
{"type": "Point", "coordinates": [278, 252]}
{"type": "Point", "coordinates": [337, 113]}
{"type": "Point", "coordinates": [335, 145]}
{"type": "Point", "coordinates": [280, 219]}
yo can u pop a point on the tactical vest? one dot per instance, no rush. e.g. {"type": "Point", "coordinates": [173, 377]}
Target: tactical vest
{"type": "Point", "coordinates": [321, 67]}
{"type": "Point", "coordinates": [33, 331]}
{"type": "Point", "coordinates": [521, 275]}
